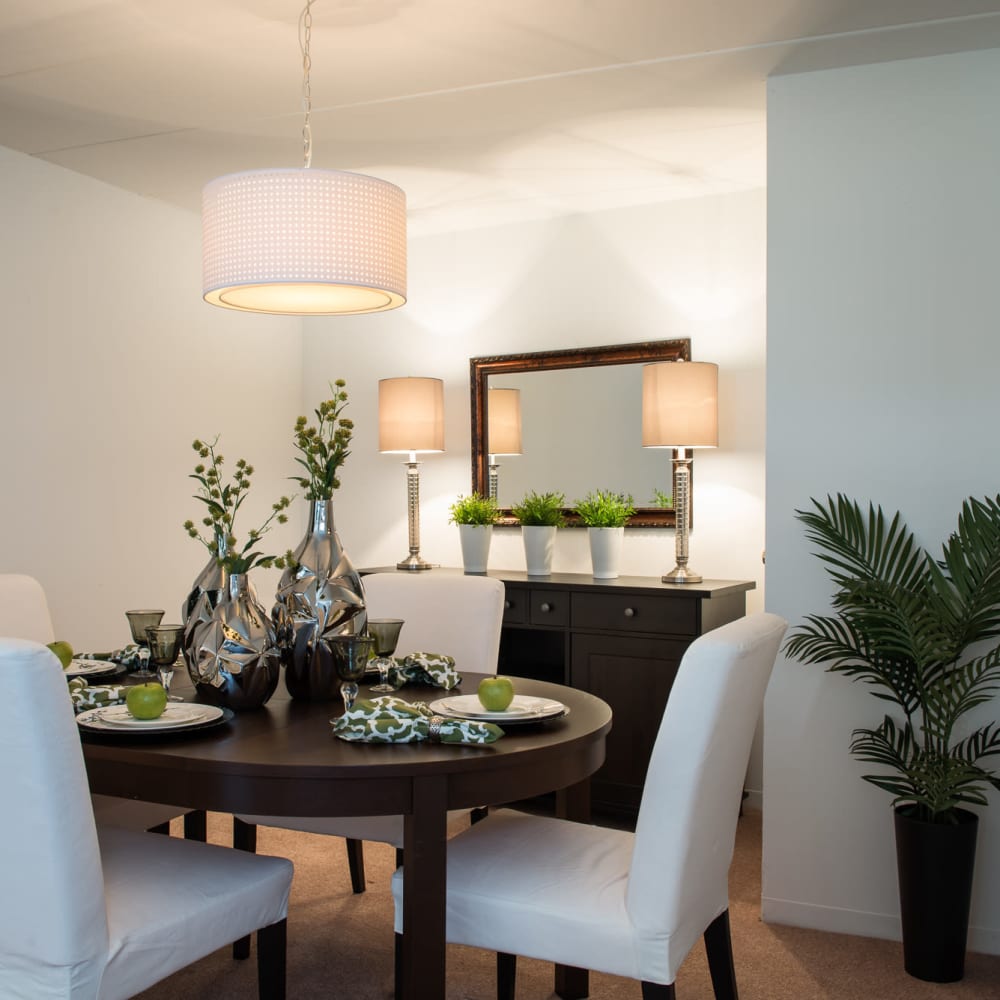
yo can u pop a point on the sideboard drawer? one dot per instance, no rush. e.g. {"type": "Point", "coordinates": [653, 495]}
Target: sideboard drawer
{"type": "Point", "coordinates": [634, 612]}
{"type": "Point", "coordinates": [515, 605]}
{"type": "Point", "coordinates": [549, 607]}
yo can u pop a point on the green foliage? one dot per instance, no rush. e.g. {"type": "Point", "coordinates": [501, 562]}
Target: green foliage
{"type": "Point", "coordinates": [661, 499]}
{"type": "Point", "coordinates": [223, 501]}
{"type": "Point", "coordinates": [474, 509]}
{"type": "Point", "coordinates": [541, 508]}
{"type": "Point", "coordinates": [605, 509]}
{"type": "Point", "coordinates": [904, 624]}
{"type": "Point", "coordinates": [324, 447]}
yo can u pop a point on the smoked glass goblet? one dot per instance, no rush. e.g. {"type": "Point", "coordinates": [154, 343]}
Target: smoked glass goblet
{"type": "Point", "coordinates": [138, 622]}
{"type": "Point", "coordinates": [385, 632]}
{"type": "Point", "coordinates": [350, 656]}
{"type": "Point", "coordinates": [164, 644]}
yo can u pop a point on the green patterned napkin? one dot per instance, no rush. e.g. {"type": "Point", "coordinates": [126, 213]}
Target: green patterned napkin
{"type": "Point", "coordinates": [392, 720]}
{"type": "Point", "coordinates": [128, 656]}
{"type": "Point", "coordinates": [96, 696]}
{"type": "Point", "coordinates": [436, 669]}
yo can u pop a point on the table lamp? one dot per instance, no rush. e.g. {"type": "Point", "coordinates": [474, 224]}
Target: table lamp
{"type": "Point", "coordinates": [680, 410]}
{"type": "Point", "coordinates": [411, 420]}
{"type": "Point", "coordinates": [503, 424]}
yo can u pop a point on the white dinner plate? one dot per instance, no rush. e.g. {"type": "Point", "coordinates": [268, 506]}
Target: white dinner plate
{"type": "Point", "coordinates": [174, 715]}
{"type": "Point", "coordinates": [82, 667]}
{"type": "Point", "coordinates": [522, 709]}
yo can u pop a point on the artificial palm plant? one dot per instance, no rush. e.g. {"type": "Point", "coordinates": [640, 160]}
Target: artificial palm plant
{"type": "Point", "coordinates": [916, 629]}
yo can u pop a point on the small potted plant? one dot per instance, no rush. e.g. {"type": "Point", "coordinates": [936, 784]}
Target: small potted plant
{"type": "Point", "coordinates": [605, 513]}
{"type": "Point", "coordinates": [541, 515]}
{"type": "Point", "coordinates": [475, 516]}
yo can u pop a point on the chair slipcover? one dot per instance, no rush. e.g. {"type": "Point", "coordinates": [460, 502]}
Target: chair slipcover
{"type": "Point", "coordinates": [610, 900]}
{"type": "Point", "coordinates": [457, 615]}
{"type": "Point", "coordinates": [24, 614]}
{"type": "Point", "coordinates": [92, 917]}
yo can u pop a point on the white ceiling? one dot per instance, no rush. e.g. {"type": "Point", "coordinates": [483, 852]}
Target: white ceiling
{"type": "Point", "coordinates": [483, 111]}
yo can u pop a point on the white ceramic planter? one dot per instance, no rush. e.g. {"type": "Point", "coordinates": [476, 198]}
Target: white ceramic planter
{"type": "Point", "coordinates": [475, 539]}
{"type": "Point", "coordinates": [605, 551]}
{"type": "Point", "coordinates": [539, 544]}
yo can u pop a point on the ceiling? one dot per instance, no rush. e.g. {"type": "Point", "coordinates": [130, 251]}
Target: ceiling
{"type": "Point", "coordinates": [483, 111]}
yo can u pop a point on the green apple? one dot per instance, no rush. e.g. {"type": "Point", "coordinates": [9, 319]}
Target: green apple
{"type": "Point", "coordinates": [64, 651]}
{"type": "Point", "coordinates": [496, 693]}
{"type": "Point", "coordinates": [146, 701]}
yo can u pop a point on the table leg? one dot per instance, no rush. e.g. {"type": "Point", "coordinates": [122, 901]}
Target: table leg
{"type": "Point", "coordinates": [573, 803]}
{"type": "Point", "coordinates": [425, 854]}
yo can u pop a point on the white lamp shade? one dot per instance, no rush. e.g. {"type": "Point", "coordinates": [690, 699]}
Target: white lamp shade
{"type": "Point", "coordinates": [304, 242]}
{"type": "Point", "coordinates": [503, 420]}
{"type": "Point", "coordinates": [680, 405]}
{"type": "Point", "coordinates": [410, 414]}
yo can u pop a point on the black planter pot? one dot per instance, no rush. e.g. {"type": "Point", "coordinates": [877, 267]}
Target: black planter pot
{"type": "Point", "coordinates": [935, 863]}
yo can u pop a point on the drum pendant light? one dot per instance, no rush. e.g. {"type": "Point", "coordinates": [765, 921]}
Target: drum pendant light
{"type": "Point", "coordinates": [304, 241]}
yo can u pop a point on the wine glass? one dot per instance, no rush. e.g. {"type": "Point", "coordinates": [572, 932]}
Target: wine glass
{"type": "Point", "coordinates": [164, 643]}
{"type": "Point", "coordinates": [350, 656]}
{"type": "Point", "coordinates": [385, 632]}
{"type": "Point", "coordinates": [138, 622]}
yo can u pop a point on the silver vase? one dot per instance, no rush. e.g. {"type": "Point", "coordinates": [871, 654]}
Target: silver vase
{"type": "Point", "coordinates": [233, 658]}
{"type": "Point", "coordinates": [319, 596]}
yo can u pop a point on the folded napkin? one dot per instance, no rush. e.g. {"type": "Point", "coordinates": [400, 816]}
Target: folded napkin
{"type": "Point", "coordinates": [128, 656]}
{"type": "Point", "coordinates": [436, 669]}
{"type": "Point", "coordinates": [87, 696]}
{"type": "Point", "coordinates": [392, 720]}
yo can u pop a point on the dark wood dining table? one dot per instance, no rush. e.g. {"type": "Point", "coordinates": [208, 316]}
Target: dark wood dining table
{"type": "Point", "coordinates": [282, 760]}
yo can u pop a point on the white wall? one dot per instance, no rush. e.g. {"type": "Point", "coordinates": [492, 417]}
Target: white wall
{"type": "Point", "coordinates": [112, 365]}
{"type": "Point", "coordinates": [882, 360]}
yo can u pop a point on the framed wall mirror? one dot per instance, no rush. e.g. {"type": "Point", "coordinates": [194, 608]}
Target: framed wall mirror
{"type": "Point", "coordinates": [580, 414]}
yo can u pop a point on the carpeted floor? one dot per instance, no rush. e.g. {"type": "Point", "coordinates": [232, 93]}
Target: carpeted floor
{"type": "Point", "coordinates": [340, 945]}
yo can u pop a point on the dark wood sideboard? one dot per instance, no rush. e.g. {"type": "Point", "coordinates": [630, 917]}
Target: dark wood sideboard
{"type": "Point", "coordinates": [621, 640]}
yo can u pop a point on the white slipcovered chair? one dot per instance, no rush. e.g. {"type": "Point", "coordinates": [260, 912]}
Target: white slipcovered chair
{"type": "Point", "coordinates": [88, 914]}
{"type": "Point", "coordinates": [24, 614]}
{"type": "Point", "coordinates": [457, 615]}
{"type": "Point", "coordinates": [628, 904]}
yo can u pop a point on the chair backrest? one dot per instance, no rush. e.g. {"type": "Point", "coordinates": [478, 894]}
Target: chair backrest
{"type": "Point", "coordinates": [24, 612]}
{"type": "Point", "coordinates": [686, 830]}
{"type": "Point", "coordinates": [457, 615]}
{"type": "Point", "coordinates": [53, 930]}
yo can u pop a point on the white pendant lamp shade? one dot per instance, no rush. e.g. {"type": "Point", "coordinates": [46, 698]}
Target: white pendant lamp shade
{"type": "Point", "coordinates": [303, 241]}
{"type": "Point", "coordinates": [410, 415]}
{"type": "Point", "coordinates": [503, 419]}
{"type": "Point", "coordinates": [680, 405]}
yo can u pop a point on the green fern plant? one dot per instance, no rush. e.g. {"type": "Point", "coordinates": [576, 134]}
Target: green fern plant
{"type": "Point", "coordinates": [605, 509]}
{"type": "Point", "coordinates": [541, 509]}
{"type": "Point", "coordinates": [906, 625]}
{"type": "Point", "coordinates": [474, 509]}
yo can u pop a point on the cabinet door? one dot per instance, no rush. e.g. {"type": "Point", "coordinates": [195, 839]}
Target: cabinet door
{"type": "Point", "coordinates": [633, 674]}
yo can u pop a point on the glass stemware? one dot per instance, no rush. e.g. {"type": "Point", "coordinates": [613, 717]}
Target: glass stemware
{"type": "Point", "coordinates": [350, 655]}
{"type": "Point", "coordinates": [385, 632]}
{"type": "Point", "coordinates": [138, 622]}
{"type": "Point", "coordinates": [164, 644]}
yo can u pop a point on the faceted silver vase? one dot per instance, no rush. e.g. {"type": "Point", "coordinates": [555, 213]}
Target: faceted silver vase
{"type": "Point", "coordinates": [319, 596]}
{"type": "Point", "coordinates": [231, 652]}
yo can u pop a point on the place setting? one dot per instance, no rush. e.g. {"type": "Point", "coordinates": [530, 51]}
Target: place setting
{"type": "Point", "coordinates": [496, 701]}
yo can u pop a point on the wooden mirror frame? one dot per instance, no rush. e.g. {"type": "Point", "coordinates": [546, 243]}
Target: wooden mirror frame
{"type": "Point", "coordinates": [480, 369]}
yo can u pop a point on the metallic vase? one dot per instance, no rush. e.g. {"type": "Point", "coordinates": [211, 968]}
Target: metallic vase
{"type": "Point", "coordinates": [233, 658]}
{"type": "Point", "coordinates": [319, 596]}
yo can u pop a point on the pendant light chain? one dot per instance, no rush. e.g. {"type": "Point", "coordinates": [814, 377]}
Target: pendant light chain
{"type": "Point", "coordinates": [306, 36]}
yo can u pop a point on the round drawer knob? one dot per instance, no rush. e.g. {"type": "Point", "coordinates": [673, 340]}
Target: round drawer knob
{"type": "Point", "coordinates": [546, 607]}
{"type": "Point", "coordinates": [507, 605]}
{"type": "Point", "coordinates": [630, 612]}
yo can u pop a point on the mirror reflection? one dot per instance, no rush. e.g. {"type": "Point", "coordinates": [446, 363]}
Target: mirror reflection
{"type": "Point", "coordinates": [580, 419]}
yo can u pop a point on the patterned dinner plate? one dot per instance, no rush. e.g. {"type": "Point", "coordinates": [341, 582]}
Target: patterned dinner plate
{"type": "Point", "coordinates": [80, 667]}
{"type": "Point", "coordinates": [174, 715]}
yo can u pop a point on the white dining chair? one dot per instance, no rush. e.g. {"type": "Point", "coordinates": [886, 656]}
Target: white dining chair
{"type": "Point", "coordinates": [24, 614]}
{"type": "Point", "coordinates": [457, 615]}
{"type": "Point", "coordinates": [628, 904]}
{"type": "Point", "coordinates": [102, 914]}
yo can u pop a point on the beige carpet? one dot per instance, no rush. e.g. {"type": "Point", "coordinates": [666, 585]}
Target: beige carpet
{"type": "Point", "coordinates": [340, 945]}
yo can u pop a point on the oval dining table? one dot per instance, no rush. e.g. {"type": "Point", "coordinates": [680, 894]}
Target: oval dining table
{"type": "Point", "coordinates": [282, 760]}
